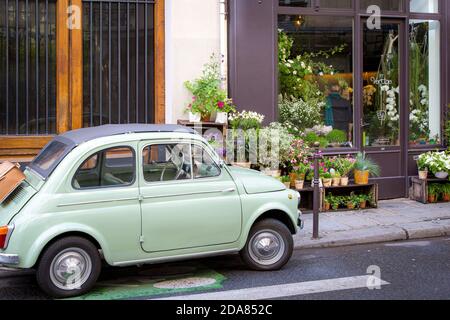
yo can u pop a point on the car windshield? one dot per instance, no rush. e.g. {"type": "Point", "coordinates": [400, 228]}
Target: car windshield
{"type": "Point", "coordinates": [49, 158]}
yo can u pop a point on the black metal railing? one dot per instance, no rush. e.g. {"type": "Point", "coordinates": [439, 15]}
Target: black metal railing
{"type": "Point", "coordinates": [118, 54]}
{"type": "Point", "coordinates": [27, 67]}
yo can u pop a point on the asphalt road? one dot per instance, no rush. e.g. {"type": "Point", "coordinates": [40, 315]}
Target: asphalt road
{"type": "Point", "coordinates": [409, 270]}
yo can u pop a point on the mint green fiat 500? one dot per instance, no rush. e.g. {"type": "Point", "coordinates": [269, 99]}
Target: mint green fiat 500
{"type": "Point", "coordinates": [139, 194]}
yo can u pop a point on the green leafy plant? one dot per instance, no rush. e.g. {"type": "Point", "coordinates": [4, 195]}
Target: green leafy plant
{"type": "Point", "coordinates": [345, 165]}
{"type": "Point", "coordinates": [285, 179]}
{"type": "Point", "coordinates": [445, 189]}
{"type": "Point", "coordinates": [434, 189]}
{"type": "Point", "coordinates": [334, 201]}
{"type": "Point", "coordinates": [337, 136]}
{"type": "Point", "coordinates": [208, 96]}
{"type": "Point", "coordinates": [246, 120]}
{"type": "Point", "coordinates": [298, 115]}
{"type": "Point", "coordinates": [363, 163]}
{"type": "Point", "coordinates": [326, 175]}
{"type": "Point", "coordinates": [435, 162]}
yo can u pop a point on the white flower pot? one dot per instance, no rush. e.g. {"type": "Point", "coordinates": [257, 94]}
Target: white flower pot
{"type": "Point", "coordinates": [194, 117]}
{"type": "Point", "coordinates": [441, 175]}
{"type": "Point", "coordinates": [222, 117]}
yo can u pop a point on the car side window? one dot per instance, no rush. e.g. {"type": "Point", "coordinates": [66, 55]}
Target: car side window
{"type": "Point", "coordinates": [203, 165]}
{"type": "Point", "coordinates": [167, 162]}
{"type": "Point", "coordinates": [108, 168]}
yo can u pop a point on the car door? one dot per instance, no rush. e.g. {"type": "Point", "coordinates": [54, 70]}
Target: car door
{"type": "Point", "coordinates": [103, 195]}
{"type": "Point", "coordinates": [186, 202]}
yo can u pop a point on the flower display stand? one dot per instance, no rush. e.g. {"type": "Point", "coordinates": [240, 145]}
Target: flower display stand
{"type": "Point", "coordinates": [307, 194]}
{"type": "Point", "coordinates": [419, 188]}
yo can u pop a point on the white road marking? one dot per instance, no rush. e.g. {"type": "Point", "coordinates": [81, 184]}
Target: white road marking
{"type": "Point", "coordinates": [409, 244]}
{"type": "Point", "coordinates": [285, 290]}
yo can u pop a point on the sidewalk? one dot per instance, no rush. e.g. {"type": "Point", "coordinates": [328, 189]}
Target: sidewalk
{"type": "Point", "coordinates": [400, 219]}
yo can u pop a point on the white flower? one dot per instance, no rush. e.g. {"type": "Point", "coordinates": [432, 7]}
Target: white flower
{"type": "Point", "coordinates": [303, 65]}
{"type": "Point", "coordinates": [423, 102]}
{"type": "Point", "coordinates": [321, 74]}
{"type": "Point", "coordinates": [295, 72]}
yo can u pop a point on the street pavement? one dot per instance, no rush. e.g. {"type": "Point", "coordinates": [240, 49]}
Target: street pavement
{"type": "Point", "coordinates": [400, 219]}
{"type": "Point", "coordinates": [416, 269]}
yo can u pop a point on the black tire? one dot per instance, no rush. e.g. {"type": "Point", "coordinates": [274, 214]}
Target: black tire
{"type": "Point", "coordinates": [281, 232]}
{"type": "Point", "coordinates": [82, 248]}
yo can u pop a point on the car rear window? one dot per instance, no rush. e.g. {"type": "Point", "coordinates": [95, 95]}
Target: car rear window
{"type": "Point", "coordinates": [49, 158]}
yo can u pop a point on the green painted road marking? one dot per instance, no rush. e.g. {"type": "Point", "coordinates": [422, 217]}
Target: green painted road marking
{"type": "Point", "coordinates": [143, 284]}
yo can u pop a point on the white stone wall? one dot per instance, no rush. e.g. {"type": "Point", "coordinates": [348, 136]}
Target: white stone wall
{"type": "Point", "coordinates": [192, 35]}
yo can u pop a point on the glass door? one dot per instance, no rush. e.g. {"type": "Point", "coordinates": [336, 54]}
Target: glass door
{"type": "Point", "coordinates": [383, 85]}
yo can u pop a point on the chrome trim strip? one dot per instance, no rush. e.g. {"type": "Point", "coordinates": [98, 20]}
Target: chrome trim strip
{"type": "Point", "coordinates": [183, 194]}
{"type": "Point", "coordinates": [176, 258]}
{"type": "Point", "coordinates": [9, 259]}
{"type": "Point", "coordinates": [96, 202]}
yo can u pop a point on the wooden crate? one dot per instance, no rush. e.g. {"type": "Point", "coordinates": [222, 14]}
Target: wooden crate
{"type": "Point", "coordinates": [371, 188]}
{"type": "Point", "coordinates": [419, 188]}
{"type": "Point", "coordinates": [307, 199]}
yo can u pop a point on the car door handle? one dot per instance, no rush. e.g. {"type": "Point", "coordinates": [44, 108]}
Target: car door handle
{"type": "Point", "coordinates": [229, 190]}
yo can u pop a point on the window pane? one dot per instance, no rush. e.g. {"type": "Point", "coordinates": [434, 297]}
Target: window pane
{"type": "Point", "coordinates": [296, 3]}
{"type": "Point", "coordinates": [27, 67]}
{"type": "Point", "coordinates": [316, 78]}
{"type": "Point", "coordinates": [381, 91]}
{"type": "Point", "coordinates": [424, 6]}
{"type": "Point", "coordinates": [388, 5]}
{"type": "Point", "coordinates": [51, 155]}
{"type": "Point", "coordinates": [425, 110]}
{"type": "Point", "coordinates": [336, 4]}
{"type": "Point", "coordinates": [167, 162]}
{"type": "Point", "coordinates": [203, 164]}
{"type": "Point", "coordinates": [118, 55]}
{"type": "Point", "coordinates": [109, 168]}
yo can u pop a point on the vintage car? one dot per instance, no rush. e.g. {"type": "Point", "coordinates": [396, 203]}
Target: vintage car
{"type": "Point", "coordinates": [139, 194]}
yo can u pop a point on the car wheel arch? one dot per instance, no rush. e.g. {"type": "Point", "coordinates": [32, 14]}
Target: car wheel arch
{"type": "Point", "coordinates": [279, 215]}
{"type": "Point", "coordinates": [66, 234]}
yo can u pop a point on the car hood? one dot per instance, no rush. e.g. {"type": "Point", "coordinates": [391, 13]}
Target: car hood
{"type": "Point", "coordinates": [255, 182]}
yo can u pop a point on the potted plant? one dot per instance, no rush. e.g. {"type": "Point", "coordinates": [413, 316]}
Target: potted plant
{"type": "Point", "coordinates": [286, 180]}
{"type": "Point", "coordinates": [363, 199]}
{"type": "Point", "coordinates": [336, 178]}
{"type": "Point", "coordinates": [326, 179]}
{"type": "Point", "coordinates": [344, 167]}
{"type": "Point", "coordinates": [352, 201]}
{"type": "Point", "coordinates": [208, 97]}
{"type": "Point", "coordinates": [433, 192]}
{"type": "Point", "coordinates": [334, 201]}
{"type": "Point", "coordinates": [302, 169]}
{"type": "Point", "coordinates": [422, 166]}
{"type": "Point", "coordinates": [363, 168]}
{"type": "Point", "coordinates": [326, 204]}
{"type": "Point", "coordinates": [445, 189]}
{"type": "Point", "coordinates": [438, 163]}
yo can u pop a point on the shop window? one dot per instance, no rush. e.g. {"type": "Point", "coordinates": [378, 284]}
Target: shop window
{"type": "Point", "coordinates": [316, 78]}
{"type": "Point", "coordinates": [424, 6]}
{"type": "Point", "coordinates": [424, 79]}
{"type": "Point", "coordinates": [381, 89]}
{"type": "Point", "coordinates": [336, 4]}
{"type": "Point", "coordinates": [385, 5]}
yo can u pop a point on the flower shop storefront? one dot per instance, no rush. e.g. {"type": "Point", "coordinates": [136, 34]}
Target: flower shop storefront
{"type": "Point", "coordinates": [333, 72]}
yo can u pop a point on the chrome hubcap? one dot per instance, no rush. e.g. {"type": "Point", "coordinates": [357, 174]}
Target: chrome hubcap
{"type": "Point", "coordinates": [70, 269]}
{"type": "Point", "coordinates": [267, 247]}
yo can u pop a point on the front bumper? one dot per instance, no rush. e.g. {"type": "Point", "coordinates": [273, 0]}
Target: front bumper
{"type": "Point", "coordinates": [9, 259]}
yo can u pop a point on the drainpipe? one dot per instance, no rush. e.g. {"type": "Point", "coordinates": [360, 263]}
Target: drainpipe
{"type": "Point", "coordinates": [223, 17]}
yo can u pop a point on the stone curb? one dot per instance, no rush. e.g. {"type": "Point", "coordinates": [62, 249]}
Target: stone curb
{"type": "Point", "coordinates": [409, 231]}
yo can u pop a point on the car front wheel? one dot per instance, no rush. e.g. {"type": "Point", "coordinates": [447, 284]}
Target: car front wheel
{"type": "Point", "coordinates": [69, 267]}
{"type": "Point", "coordinates": [269, 246]}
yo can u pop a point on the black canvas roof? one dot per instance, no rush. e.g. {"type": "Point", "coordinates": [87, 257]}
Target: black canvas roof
{"type": "Point", "coordinates": [88, 134]}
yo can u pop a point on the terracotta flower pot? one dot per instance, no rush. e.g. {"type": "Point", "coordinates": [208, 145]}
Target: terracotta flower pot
{"type": "Point", "coordinates": [327, 206]}
{"type": "Point", "coordinates": [293, 177]}
{"type": "Point", "coordinates": [336, 182]}
{"type": "Point", "coordinates": [327, 182]}
{"type": "Point", "coordinates": [432, 198]}
{"type": "Point", "coordinates": [446, 197]}
{"type": "Point", "coordinates": [361, 177]}
{"type": "Point", "coordinates": [299, 184]}
{"type": "Point", "coordinates": [363, 204]}
{"type": "Point", "coordinates": [335, 207]}
{"type": "Point", "coordinates": [423, 175]}
{"type": "Point", "coordinates": [206, 117]}
{"type": "Point", "coordinates": [344, 181]}
{"type": "Point", "coordinates": [350, 206]}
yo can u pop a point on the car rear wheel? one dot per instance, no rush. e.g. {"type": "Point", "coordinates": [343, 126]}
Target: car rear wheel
{"type": "Point", "coordinates": [269, 246]}
{"type": "Point", "coordinates": [69, 267]}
